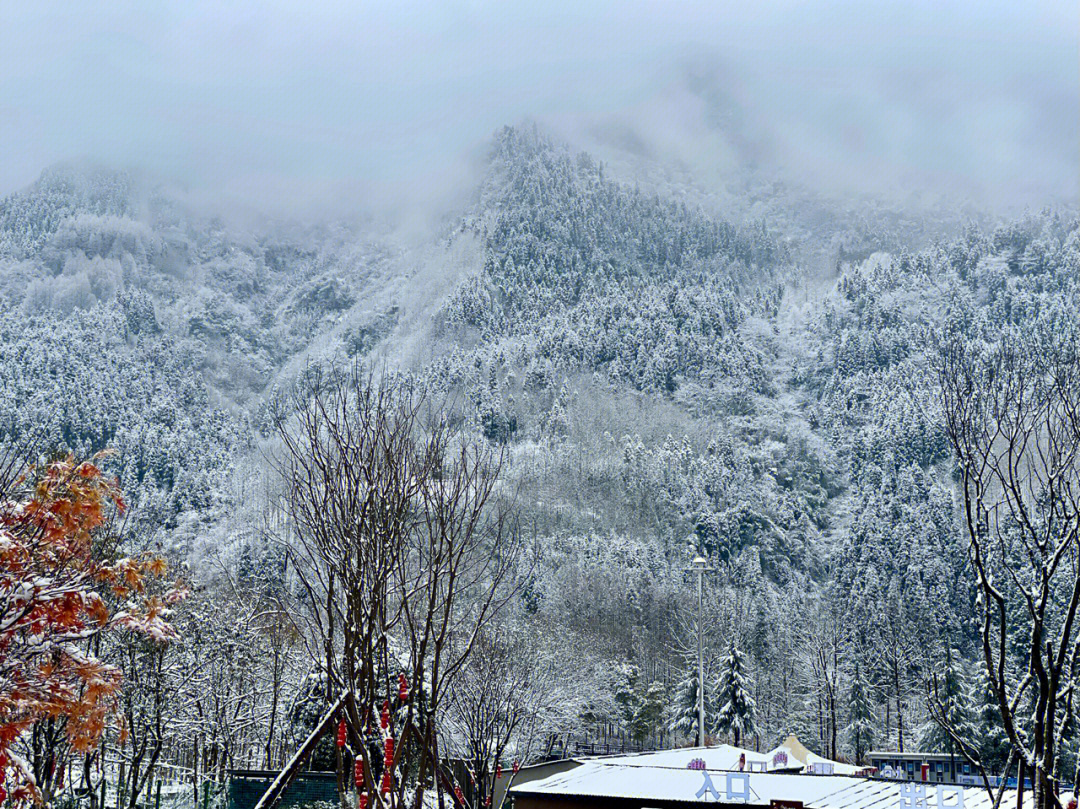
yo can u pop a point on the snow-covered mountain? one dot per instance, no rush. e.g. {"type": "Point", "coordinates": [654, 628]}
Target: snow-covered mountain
{"type": "Point", "coordinates": [667, 379]}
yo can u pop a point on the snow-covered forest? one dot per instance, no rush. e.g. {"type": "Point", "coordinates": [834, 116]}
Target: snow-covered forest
{"type": "Point", "coordinates": [589, 368]}
{"type": "Point", "coordinates": [663, 382]}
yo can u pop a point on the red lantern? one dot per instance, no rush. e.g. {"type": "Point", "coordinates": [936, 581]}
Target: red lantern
{"type": "Point", "coordinates": [403, 688]}
{"type": "Point", "coordinates": [384, 787]}
{"type": "Point", "coordinates": [498, 770]}
{"type": "Point", "coordinates": [516, 767]}
{"type": "Point", "coordinates": [384, 717]}
{"type": "Point", "coordinates": [3, 795]}
{"type": "Point", "coordinates": [361, 801]}
{"type": "Point", "coordinates": [341, 733]}
{"type": "Point", "coordinates": [487, 801]}
{"type": "Point", "coordinates": [459, 796]}
{"type": "Point", "coordinates": [358, 773]}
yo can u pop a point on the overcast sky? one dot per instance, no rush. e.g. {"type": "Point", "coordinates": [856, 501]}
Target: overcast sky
{"type": "Point", "coordinates": [859, 96]}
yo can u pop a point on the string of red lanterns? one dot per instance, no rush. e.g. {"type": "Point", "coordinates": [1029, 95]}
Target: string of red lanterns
{"type": "Point", "coordinates": [386, 782]}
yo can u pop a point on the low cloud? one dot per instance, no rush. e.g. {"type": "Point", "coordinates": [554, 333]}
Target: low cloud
{"type": "Point", "coordinates": [284, 105]}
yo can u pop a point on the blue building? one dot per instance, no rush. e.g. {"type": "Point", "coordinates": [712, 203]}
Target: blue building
{"type": "Point", "coordinates": [935, 768]}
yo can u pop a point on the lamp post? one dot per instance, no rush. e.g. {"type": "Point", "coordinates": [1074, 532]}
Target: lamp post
{"type": "Point", "coordinates": [700, 566]}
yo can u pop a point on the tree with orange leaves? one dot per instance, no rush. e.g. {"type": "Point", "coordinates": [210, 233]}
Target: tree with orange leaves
{"type": "Point", "coordinates": [55, 592]}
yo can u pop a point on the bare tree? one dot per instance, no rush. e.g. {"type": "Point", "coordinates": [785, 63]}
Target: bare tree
{"type": "Point", "coordinates": [824, 647]}
{"type": "Point", "coordinates": [497, 703]}
{"type": "Point", "coordinates": [404, 546]}
{"type": "Point", "coordinates": [1012, 414]}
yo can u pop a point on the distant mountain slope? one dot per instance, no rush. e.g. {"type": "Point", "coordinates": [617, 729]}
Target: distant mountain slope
{"type": "Point", "coordinates": [591, 294]}
{"type": "Point", "coordinates": [30, 218]}
{"type": "Point", "coordinates": [664, 381]}
{"type": "Point", "coordinates": [129, 322]}
{"type": "Point", "coordinates": [582, 273]}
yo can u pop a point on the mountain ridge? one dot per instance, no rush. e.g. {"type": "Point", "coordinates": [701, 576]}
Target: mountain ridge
{"type": "Point", "coordinates": [665, 382]}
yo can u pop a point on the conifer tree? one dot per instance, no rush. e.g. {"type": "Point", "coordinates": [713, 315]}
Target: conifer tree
{"type": "Point", "coordinates": [861, 729]}
{"type": "Point", "coordinates": [737, 710]}
{"type": "Point", "coordinates": [952, 692]}
{"type": "Point", "coordinates": [648, 713]}
{"type": "Point", "coordinates": [993, 743]}
{"type": "Point", "coordinates": [682, 712]}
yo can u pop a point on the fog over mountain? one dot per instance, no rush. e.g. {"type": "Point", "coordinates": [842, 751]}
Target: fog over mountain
{"type": "Point", "coordinates": [690, 266]}
{"type": "Point", "coordinates": [976, 100]}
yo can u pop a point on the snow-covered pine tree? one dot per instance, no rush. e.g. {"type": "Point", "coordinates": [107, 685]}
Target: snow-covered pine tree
{"type": "Point", "coordinates": [953, 694]}
{"type": "Point", "coordinates": [682, 711]}
{"type": "Point", "coordinates": [649, 713]}
{"type": "Point", "coordinates": [627, 694]}
{"type": "Point", "coordinates": [993, 742]}
{"type": "Point", "coordinates": [737, 710]}
{"type": "Point", "coordinates": [860, 730]}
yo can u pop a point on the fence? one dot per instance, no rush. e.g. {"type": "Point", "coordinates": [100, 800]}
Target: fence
{"type": "Point", "coordinates": [247, 786]}
{"type": "Point", "coordinates": [615, 746]}
{"type": "Point", "coordinates": [173, 789]}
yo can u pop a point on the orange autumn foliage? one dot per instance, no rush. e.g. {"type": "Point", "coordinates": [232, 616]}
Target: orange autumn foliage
{"type": "Point", "coordinates": [54, 593]}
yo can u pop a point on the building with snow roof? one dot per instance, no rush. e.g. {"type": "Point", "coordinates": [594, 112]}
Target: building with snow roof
{"type": "Point", "coordinates": [789, 756]}
{"type": "Point", "coordinates": [917, 766]}
{"type": "Point", "coordinates": [676, 779]}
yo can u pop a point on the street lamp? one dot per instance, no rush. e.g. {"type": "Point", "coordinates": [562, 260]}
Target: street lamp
{"type": "Point", "coordinates": [701, 567]}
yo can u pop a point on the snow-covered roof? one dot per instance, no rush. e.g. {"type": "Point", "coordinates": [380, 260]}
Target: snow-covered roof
{"type": "Point", "coordinates": [600, 778]}
{"type": "Point", "coordinates": [838, 767]}
{"type": "Point", "coordinates": [603, 779]}
{"type": "Point", "coordinates": [717, 757]}
{"type": "Point", "coordinates": [874, 793]}
{"type": "Point", "coordinates": [789, 756]}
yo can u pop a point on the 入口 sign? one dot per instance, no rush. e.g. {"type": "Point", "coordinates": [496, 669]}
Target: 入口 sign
{"type": "Point", "coordinates": [736, 787]}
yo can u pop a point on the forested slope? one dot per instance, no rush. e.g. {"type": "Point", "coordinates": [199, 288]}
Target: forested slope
{"type": "Point", "coordinates": [128, 323]}
{"type": "Point", "coordinates": [665, 382]}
